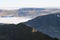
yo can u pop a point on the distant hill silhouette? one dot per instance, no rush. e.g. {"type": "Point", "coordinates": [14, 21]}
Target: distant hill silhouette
{"type": "Point", "coordinates": [28, 12]}
{"type": "Point", "coordinates": [30, 9]}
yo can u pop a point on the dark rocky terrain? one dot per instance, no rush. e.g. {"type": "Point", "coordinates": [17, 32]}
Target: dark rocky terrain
{"type": "Point", "coordinates": [21, 32]}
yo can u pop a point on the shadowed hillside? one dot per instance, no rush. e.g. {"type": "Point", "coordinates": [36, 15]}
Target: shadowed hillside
{"type": "Point", "coordinates": [21, 32]}
{"type": "Point", "coordinates": [47, 24]}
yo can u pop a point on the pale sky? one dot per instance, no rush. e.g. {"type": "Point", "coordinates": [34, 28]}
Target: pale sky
{"type": "Point", "coordinates": [15, 4]}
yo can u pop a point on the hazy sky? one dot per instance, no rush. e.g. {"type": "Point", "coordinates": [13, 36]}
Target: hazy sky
{"type": "Point", "coordinates": [15, 4]}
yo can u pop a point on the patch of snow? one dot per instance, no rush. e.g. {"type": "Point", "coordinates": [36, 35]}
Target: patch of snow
{"type": "Point", "coordinates": [13, 20]}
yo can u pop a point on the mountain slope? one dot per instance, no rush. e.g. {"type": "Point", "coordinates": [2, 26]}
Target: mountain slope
{"type": "Point", "coordinates": [21, 32]}
{"type": "Point", "coordinates": [48, 24]}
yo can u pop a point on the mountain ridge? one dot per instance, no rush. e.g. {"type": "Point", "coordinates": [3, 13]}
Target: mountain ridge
{"type": "Point", "coordinates": [48, 24]}
{"type": "Point", "coordinates": [28, 12]}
